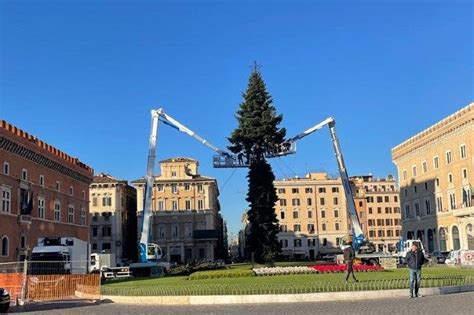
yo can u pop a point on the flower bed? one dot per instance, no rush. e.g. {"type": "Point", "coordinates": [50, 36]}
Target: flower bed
{"type": "Point", "coordinates": [342, 268]}
{"type": "Point", "coordinates": [274, 271]}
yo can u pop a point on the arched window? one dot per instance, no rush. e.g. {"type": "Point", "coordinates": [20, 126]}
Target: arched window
{"type": "Point", "coordinates": [4, 246]}
{"type": "Point", "coordinates": [456, 241]}
{"type": "Point", "coordinates": [470, 237]}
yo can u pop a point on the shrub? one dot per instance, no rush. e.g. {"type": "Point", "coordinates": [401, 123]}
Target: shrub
{"type": "Point", "coordinates": [216, 274]}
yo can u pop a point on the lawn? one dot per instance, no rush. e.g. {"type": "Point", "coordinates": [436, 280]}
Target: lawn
{"type": "Point", "coordinates": [305, 283]}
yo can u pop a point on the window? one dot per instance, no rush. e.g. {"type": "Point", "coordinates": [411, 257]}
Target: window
{"type": "Point", "coordinates": [284, 243]}
{"type": "Point", "coordinates": [94, 232]}
{"type": "Point", "coordinates": [424, 166]}
{"type": "Point", "coordinates": [57, 211]}
{"type": "Point", "coordinates": [174, 188]}
{"type": "Point", "coordinates": [297, 242]}
{"type": "Point", "coordinates": [84, 195]}
{"type": "Point", "coordinates": [200, 188]}
{"type": "Point", "coordinates": [413, 170]}
{"type": "Point", "coordinates": [427, 206]}
{"type": "Point", "coordinates": [452, 200]}
{"type": "Point", "coordinates": [448, 157]}
{"type": "Point", "coordinates": [200, 204]}
{"type": "Point", "coordinates": [361, 215]}
{"type": "Point", "coordinates": [361, 204]}
{"type": "Point", "coordinates": [450, 177]}
{"type": "Point", "coordinates": [41, 180]}
{"type": "Point", "coordinates": [24, 174]}
{"type": "Point", "coordinates": [58, 186]}
{"type": "Point", "coordinates": [6, 199]}
{"type": "Point", "coordinates": [380, 222]}
{"type": "Point", "coordinates": [175, 231]}
{"type": "Point", "coordinates": [106, 246]}
{"type": "Point", "coordinates": [336, 225]}
{"type": "Point", "coordinates": [323, 226]}
{"type": "Point", "coordinates": [336, 213]}
{"type": "Point", "coordinates": [407, 211]}
{"type": "Point", "coordinates": [187, 187]}
{"type": "Point", "coordinates": [295, 190]}
{"type": "Point", "coordinates": [426, 186]}
{"type": "Point", "coordinates": [161, 231]}
{"type": "Point", "coordinates": [325, 242]}
{"type": "Point", "coordinates": [386, 199]}
{"type": "Point", "coordinates": [6, 168]}
{"type": "Point", "coordinates": [106, 231]}
{"type": "Point", "coordinates": [310, 228]}
{"type": "Point", "coordinates": [436, 162]}
{"type": "Point", "coordinates": [295, 215]}
{"type": "Point", "coordinates": [381, 233]}
{"type": "Point", "coordinates": [370, 210]}
{"type": "Point", "coordinates": [310, 214]}
{"type": "Point", "coordinates": [439, 204]}
{"type": "Point", "coordinates": [395, 198]}
{"type": "Point", "coordinates": [71, 190]}
{"type": "Point", "coordinates": [417, 209]}
{"type": "Point", "coordinates": [404, 175]}
{"type": "Point", "coordinates": [379, 210]}
{"type": "Point", "coordinates": [83, 216]}
{"type": "Point", "coordinates": [281, 190]}
{"type": "Point", "coordinates": [283, 228]}
{"type": "Point", "coordinates": [335, 201]}
{"type": "Point", "coordinates": [282, 215]}
{"type": "Point", "coordinates": [295, 202]}
{"type": "Point", "coordinates": [464, 173]}
{"type": "Point", "coordinates": [335, 189]}
{"type": "Point", "coordinates": [282, 202]}
{"type": "Point", "coordinates": [388, 222]}
{"type": "Point", "coordinates": [371, 233]}
{"type": "Point", "coordinates": [94, 201]}
{"type": "Point", "coordinates": [388, 210]}
{"type": "Point", "coordinates": [371, 222]}
{"type": "Point", "coordinates": [462, 151]}
{"type": "Point", "coordinates": [174, 205]}
{"type": "Point", "coordinates": [41, 212]}
{"type": "Point", "coordinates": [160, 187]}
{"type": "Point", "coordinates": [173, 174]}
{"type": "Point", "coordinates": [187, 204]}
{"type": "Point", "coordinates": [94, 246]}
{"type": "Point", "coordinates": [322, 190]}
{"type": "Point", "coordinates": [297, 228]}
{"type": "Point", "coordinates": [321, 201]}
{"type": "Point", "coordinates": [309, 201]}
{"type": "Point", "coordinates": [379, 199]}
{"type": "Point", "coordinates": [323, 214]}
{"type": "Point", "coordinates": [161, 205]}
{"type": "Point", "coordinates": [308, 190]}
{"type": "Point", "coordinates": [106, 201]}
{"type": "Point", "coordinates": [5, 246]}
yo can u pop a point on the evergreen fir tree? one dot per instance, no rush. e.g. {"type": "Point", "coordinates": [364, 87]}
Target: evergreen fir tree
{"type": "Point", "coordinates": [257, 133]}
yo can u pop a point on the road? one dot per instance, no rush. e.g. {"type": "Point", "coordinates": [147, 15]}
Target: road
{"type": "Point", "coordinates": [462, 303]}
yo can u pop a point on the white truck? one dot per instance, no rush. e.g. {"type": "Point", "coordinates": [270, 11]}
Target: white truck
{"type": "Point", "coordinates": [60, 255]}
{"type": "Point", "coordinates": [105, 264]}
{"type": "Point", "coordinates": [463, 258]}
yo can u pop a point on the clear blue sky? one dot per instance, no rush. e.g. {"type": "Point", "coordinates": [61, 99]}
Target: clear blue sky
{"type": "Point", "coordinates": [83, 75]}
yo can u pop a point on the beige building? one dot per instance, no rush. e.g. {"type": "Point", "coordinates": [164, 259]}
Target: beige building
{"type": "Point", "coordinates": [113, 220]}
{"type": "Point", "coordinates": [378, 206]}
{"type": "Point", "coordinates": [312, 215]}
{"type": "Point", "coordinates": [186, 221]}
{"type": "Point", "coordinates": [436, 173]}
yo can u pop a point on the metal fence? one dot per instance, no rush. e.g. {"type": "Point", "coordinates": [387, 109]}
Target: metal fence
{"type": "Point", "coordinates": [49, 280]}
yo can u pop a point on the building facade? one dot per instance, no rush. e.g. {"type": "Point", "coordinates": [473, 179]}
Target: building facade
{"type": "Point", "coordinates": [436, 173]}
{"type": "Point", "coordinates": [186, 221]}
{"type": "Point", "coordinates": [44, 193]}
{"type": "Point", "coordinates": [378, 206]}
{"type": "Point", "coordinates": [312, 215]}
{"type": "Point", "coordinates": [113, 217]}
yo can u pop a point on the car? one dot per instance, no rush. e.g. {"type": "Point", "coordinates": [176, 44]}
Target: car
{"type": "Point", "coordinates": [4, 300]}
{"type": "Point", "coordinates": [440, 256]}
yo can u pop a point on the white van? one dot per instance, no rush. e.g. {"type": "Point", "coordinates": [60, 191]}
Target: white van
{"type": "Point", "coordinates": [464, 258]}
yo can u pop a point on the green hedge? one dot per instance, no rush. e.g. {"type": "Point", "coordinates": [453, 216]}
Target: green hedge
{"type": "Point", "coordinates": [217, 274]}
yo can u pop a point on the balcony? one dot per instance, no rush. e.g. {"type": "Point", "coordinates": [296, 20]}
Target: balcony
{"type": "Point", "coordinates": [209, 235]}
{"type": "Point", "coordinates": [463, 211]}
{"type": "Point", "coordinates": [24, 219]}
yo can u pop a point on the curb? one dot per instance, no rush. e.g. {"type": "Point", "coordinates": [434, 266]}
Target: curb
{"type": "Point", "coordinates": [279, 298]}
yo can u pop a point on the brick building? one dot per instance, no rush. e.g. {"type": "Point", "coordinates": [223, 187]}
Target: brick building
{"type": "Point", "coordinates": [44, 193]}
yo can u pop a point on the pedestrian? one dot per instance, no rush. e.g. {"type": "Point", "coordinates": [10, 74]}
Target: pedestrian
{"type": "Point", "coordinates": [415, 259]}
{"type": "Point", "coordinates": [349, 255]}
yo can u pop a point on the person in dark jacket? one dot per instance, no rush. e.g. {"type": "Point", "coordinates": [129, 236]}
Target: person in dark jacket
{"type": "Point", "coordinates": [415, 259]}
{"type": "Point", "coordinates": [349, 256]}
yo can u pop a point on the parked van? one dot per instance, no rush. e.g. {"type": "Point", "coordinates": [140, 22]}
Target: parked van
{"type": "Point", "coordinates": [464, 258]}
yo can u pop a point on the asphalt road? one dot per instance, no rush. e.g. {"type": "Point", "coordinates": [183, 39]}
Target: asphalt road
{"type": "Point", "coordinates": [462, 303]}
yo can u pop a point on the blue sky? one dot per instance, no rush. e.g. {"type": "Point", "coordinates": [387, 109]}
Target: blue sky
{"type": "Point", "coordinates": [84, 75]}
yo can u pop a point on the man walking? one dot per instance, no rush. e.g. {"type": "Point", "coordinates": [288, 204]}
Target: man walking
{"type": "Point", "coordinates": [415, 259]}
{"type": "Point", "coordinates": [349, 256]}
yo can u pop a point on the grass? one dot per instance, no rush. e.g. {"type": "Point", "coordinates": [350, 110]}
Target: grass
{"type": "Point", "coordinates": [287, 284]}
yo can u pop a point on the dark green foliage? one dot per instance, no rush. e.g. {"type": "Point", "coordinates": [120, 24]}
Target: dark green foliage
{"type": "Point", "coordinates": [256, 134]}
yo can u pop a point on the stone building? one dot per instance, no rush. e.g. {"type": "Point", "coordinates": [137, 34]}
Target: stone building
{"type": "Point", "coordinates": [436, 174]}
{"type": "Point", "coordinates": [378, 206]}
{"type": "Point", "coordinates": [186, 221]}
{"type": "Point", "coordinates": [113, 213]}
{"type": "Point", "coordinates": [44, 193]}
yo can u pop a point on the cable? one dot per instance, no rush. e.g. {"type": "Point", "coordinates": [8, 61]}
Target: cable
{"type": "Point", "coordinates": [279, 167]}
{"type": "Point", "coordinates": [228, 179]}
